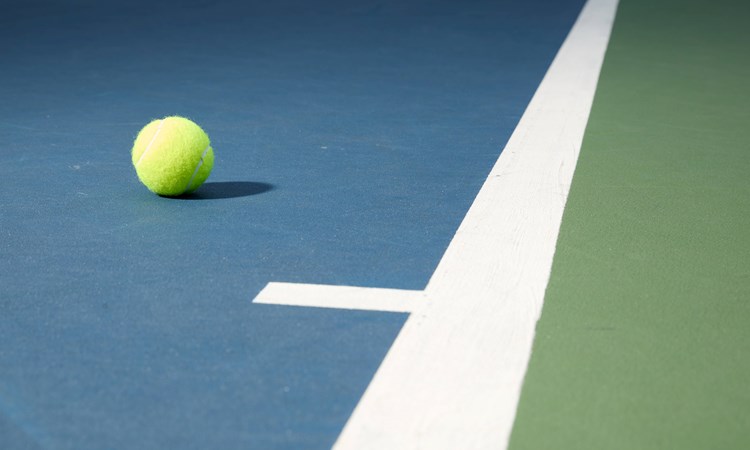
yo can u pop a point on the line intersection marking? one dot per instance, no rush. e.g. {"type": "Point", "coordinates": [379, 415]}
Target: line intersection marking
{"type": "Point", "coordinates": [453, 376]}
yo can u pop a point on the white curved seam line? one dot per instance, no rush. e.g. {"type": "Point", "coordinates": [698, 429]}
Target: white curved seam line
{"type": "Point", "coordinates": [153, 138]}
{"type": "Point", "coordinates": [195, 172]}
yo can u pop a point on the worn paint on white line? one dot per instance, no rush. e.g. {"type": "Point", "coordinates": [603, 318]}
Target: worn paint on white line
{"type": "Point", "coordinates": [452, 378]}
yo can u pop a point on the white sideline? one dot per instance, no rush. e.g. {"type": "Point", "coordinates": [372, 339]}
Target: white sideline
{"type": "Point", "coordinates": [453, 376]}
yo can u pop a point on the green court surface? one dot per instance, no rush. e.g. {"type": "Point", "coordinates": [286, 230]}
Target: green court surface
{"type": "Point", "coordinates": [644, 339]}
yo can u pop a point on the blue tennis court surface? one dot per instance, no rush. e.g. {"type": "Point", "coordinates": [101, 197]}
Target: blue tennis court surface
{"type": "Point", "coordinates": [350, 140]}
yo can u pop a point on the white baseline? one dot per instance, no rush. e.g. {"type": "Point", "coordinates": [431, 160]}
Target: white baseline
{"type": "Point", "coordinates": [453, 376]}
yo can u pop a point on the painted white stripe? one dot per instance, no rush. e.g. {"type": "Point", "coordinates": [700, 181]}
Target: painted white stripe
{"type": "Point", "coordinates": [153, 138]}
{"type": "Point", "coordinates": [452, 378]}
{"type": "Point", "coordinates": [195, 172]}
{"type": "Point", "coordinates": [343, 297]}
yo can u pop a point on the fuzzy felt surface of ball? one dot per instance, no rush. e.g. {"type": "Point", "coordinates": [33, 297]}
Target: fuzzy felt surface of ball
{"type": "Point", "coordinates": [172, 156]}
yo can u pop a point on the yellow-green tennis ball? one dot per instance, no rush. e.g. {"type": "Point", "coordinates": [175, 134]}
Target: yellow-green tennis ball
{"type": "Point", "coordinates": [172, 156]}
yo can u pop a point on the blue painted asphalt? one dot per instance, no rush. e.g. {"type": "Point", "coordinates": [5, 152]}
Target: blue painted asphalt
{"type": "Point", "coordinates": [350, 139]}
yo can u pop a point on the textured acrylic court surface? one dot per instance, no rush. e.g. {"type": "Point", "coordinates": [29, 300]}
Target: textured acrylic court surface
{"type": "Point", "coordinates": [350, 139]}
{"type": "Point", "coordinates": [644, 341]}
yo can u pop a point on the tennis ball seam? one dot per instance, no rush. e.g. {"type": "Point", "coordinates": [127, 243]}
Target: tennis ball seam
{"type": "Point", "coordinates": [197, 167]}
{"type": "Point", "coordinates": [151, 142]}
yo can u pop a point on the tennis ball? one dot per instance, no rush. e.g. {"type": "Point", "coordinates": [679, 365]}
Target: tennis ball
{"type": "Point", "coordinates": [172, 156]}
